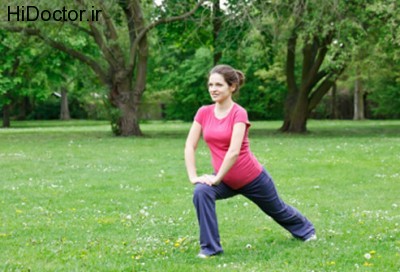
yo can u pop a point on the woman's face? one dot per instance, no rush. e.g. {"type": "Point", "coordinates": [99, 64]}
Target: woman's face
{"type": "Point", "coordinates": [219, 89]}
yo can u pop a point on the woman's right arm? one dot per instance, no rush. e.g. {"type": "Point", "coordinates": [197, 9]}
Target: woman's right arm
{"type": "Point", "coordinates": [190, 150]}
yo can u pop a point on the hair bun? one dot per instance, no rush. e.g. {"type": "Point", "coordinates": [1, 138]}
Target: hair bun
{"type": "Point", "coordinates": [240, 76]}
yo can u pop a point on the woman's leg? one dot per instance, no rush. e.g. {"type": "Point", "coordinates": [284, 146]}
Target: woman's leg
{"type": "Point", "coordinates": [262, 192]}
{"type": "Point", "coordinates": [204, 198]}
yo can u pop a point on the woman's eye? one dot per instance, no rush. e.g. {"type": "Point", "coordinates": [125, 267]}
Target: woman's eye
{"type": "Point", "coordinates": [215, 84]}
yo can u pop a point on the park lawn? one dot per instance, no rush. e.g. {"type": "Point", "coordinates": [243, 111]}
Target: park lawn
{"type": "Point", "coordinates": [76, 198]}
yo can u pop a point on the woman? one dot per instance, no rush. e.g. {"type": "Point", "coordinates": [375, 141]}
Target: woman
{"type": "Point", "coordinates": [225, 126]}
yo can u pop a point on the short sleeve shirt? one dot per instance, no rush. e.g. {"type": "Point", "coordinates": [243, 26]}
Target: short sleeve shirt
{"type": "Point", "coordinates": [217, 133]}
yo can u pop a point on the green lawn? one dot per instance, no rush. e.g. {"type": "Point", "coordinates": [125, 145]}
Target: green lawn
{"type": "Point", "coordinates": [75, 198]}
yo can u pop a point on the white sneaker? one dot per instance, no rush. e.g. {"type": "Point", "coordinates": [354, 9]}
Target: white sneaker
{"type": "Point", "coordinates": [311, 238]}
{"type": "Point", "coordinates": [202, 256]}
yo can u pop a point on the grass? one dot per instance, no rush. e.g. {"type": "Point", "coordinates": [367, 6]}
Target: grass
{"type": "Point", "coordinates": [75, 198]}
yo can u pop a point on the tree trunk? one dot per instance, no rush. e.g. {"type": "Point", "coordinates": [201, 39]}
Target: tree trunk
{"type": "Point", "coordinates": [358, 98]}
{"type": "Point", "coordinates": [291, 97]}
{"type": "Point", "coordinates": [64, 108]}
{"type": "Point", "coordinates": [290, 105]}
{"type": "Point", "coordinates": [334, 112]}
{"type": "Point", "coordinates": [315, 82]}
{"type": "Point", "coordinates": [127, 123]}
{"type": "Point", "coordinates": [24, 108]}
{"type": "Point", "coordinates": [299, 117]}
{"type": "Point", "coordinates": [125, 115]}
{"type": "Point", "coordinates": [217, 23]}
{"type": "Point", "coordinates": [6, 116]}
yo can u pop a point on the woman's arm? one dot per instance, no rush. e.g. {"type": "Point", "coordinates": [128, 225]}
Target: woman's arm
{"type": "Point", "coordinates": [239, 130]}
{"type": "Point", "coordinates": [190, 150]}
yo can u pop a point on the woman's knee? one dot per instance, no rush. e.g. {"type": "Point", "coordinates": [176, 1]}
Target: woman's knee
{"type": "Point", "coordinates": [202, 191]}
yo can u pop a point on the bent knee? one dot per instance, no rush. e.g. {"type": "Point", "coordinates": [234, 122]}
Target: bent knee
{"type": "Point", "coordinates": [202, 190]}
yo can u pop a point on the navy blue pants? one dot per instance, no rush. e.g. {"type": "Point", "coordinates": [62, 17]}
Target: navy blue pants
{"type": "Point", "coordinates": [262, 192]}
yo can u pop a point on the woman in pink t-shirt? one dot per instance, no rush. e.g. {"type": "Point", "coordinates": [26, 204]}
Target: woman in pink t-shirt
{"type": "Point", "coordinates": [225, 126]}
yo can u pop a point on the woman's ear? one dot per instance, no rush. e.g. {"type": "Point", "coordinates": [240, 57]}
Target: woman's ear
{"type": "Point", "coordinates": [232, 88]}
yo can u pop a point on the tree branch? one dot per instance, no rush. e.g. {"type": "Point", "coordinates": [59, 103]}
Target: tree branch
{"type": "Point", "coordinates": [309, 54]}
{"type": "Point", "coordinates": [290, 63]}
{"type": "Point", "coordinates": [319, 93]}
{"type": "Point", "coordinates": [298, 11]}
{"type": "Point", "coordinates": [325, 86]}
{"type": "Point", "coordinates": [146, 29]}
{"type": "Point", "coordinates": [321, 74]}
{"type": "Point", "coordinates": [90, 33]}
{"type": "Point", "coordinates": [112, 35]}
{"type": "Point", "coordinates": [312, 73]}
{"type": "Point", "coordinates": [129, 18]}
{"type": "Point", "coordinates": [110, 26]}
{"type": "Point", "coordinates": [98, 38]}
{"type": "Point", "coordinates": [57, 45]}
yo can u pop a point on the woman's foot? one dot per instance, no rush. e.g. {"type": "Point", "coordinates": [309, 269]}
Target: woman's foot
{"type": "Point", "coordinates": [202, 255]}
{"type": "Point", "coordinates": [311, 238]}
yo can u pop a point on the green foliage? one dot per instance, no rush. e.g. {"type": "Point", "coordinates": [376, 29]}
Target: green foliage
{"type": "Point", "coordinates": [268, 103]}
{"type": "Point", "coordinates": [48, 109]}
{"type": "Point", "coordinates": [190, 81]}
{"type": "Point", "coordinates": [386, 97]}
{"type": "Point", "coordinates": [182, 61]}
{"type": "Point", "coordinates": [115, 116]}
{"type": "Point", "coordinates": [22, 71]}
{"type": "Point", "coordinates": [253, 38]}
{"type": "Point", "coordinates": [375, 58]}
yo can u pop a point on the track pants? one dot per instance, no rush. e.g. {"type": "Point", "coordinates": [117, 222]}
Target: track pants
{"type": "Point", "coordinates": [263, 193]}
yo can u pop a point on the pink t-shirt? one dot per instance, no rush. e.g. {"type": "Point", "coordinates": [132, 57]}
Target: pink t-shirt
{"type": "Point", "coordinates": [217, 133]}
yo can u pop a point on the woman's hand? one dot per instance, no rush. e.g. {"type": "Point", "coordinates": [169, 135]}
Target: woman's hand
{"type": "Point", "coordinates": [210, 180]}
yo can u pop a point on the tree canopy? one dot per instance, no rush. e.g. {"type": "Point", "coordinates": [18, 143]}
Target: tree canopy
{"type": "Point", "coordinates": [292, 52]}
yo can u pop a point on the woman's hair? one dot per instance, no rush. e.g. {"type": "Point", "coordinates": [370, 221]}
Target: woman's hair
{"type": "Point", "coordinates": [231, 75]}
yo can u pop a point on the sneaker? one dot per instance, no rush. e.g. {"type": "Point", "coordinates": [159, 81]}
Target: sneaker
{"type": "Point", "coordinates": [311, 238]}
{"type": "Point", "coordinates": [202, 256]}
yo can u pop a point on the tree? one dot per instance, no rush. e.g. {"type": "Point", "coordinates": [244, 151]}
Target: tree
{"type": "Point", "coordinates": [380, 61]}
{"type": "Point", "coordinates": [221, 34]}
{"type": "Point", "coordinates": [17, 78]}
{"type": "Point", "coordinates": [29, 74]}
{"type": "Point", "coordinates": [116, 51]}
{"type": "Point", "coordinates": [372, 67]}
{"type": "Point", "coordinates": [318, 37]}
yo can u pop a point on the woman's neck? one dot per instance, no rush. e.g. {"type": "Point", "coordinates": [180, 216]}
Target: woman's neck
{"type": "Point", "coordinates": [225, 105]}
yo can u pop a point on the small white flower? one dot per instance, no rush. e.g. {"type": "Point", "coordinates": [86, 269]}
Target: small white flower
{"type": "Point", "coordinates": [246, 204]}
{"type": "Point", "coordinates": [248, 246]}
{"type": "Point", "coordinates": [129, 217]}
{"type": "Point", "coordinates": [367, 256]}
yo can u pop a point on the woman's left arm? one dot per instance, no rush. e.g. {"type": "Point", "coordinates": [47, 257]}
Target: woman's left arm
{"type": "Point", "coordinates": [239, 130]}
